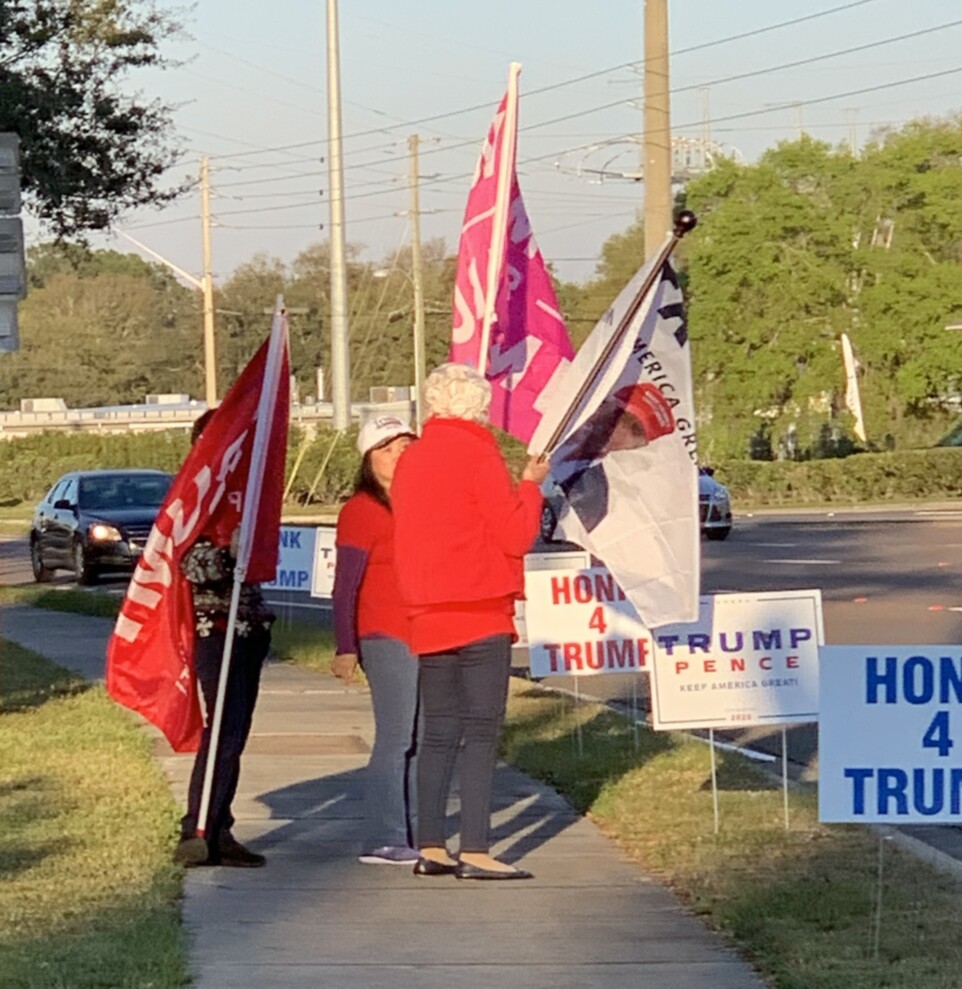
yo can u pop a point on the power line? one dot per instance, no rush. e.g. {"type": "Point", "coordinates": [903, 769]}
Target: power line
{"type": "Point", "coordinates": [754, 74]}
{"type": "Point", "coordinates": [819, 58]}
{"type": "Point", "coordinates": [736, 116]}
{"type": "Point", "coordinates": [834, 96]}
{"type": "Point", "coordinates": [271, 178]}
{"type": "Point", "coordinates": [745, 75]}
{"type": "Point", "coordinates": [729, 117]}
{"type": "Point", "coordinates": [274, 195]}
{"type": "Point", "coordinates": [266, 209]}
{"type": "Point", "coordinates": [567, 82]}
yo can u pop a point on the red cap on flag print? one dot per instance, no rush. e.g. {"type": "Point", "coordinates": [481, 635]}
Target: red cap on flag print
{"type": "Point", "coordinates": [647, 404]}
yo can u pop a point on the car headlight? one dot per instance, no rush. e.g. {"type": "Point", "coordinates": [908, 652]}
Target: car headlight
{"type": "Point", "coordinates": [103, 533]}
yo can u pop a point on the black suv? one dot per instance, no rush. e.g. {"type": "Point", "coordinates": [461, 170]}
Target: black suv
{"type": "Point", "coordinates": [94, 521]}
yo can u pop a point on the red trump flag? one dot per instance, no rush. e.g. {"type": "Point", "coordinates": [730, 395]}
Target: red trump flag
{"type": "Point", "coordinates": [150, 653]}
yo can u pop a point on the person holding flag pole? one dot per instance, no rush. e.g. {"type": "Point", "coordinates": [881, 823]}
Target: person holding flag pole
{"type": "Point", "coordinates": [193, 616]}
{"type": "Point", "coordinates": [462, 526]}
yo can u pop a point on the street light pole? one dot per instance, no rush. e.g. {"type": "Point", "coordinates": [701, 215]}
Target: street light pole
{"type": "Point", "coordinates": [419, 356]}
{"type": "Point", "coordinates": [340, 355]}
{"type": "Point", "coordinates": [210, 358]}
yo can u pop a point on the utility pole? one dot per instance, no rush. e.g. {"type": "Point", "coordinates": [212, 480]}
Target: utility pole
{"type": "Point", "coordinates": [705, 95]}
{"type": "Point", "coordinates": [340, 355]}
{"type": "Point", "coordinates": [657, 177]}
{"type": "Point", "coordinates": [207, 287]}
{"type": "Point", "coordinates": [852, 138]}
{"type": "Point", "coordinates": [416, 274]}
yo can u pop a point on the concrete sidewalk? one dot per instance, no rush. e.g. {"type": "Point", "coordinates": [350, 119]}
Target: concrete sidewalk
{"type": "Point", "coordinates": [315, 917]}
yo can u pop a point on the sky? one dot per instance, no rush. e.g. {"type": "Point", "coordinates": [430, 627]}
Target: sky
{"type": "Point", "coordinates": [251, 93]}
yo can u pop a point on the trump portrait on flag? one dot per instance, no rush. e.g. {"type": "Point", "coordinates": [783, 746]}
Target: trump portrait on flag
{"type": "Point", "coordinates": [630, 418]}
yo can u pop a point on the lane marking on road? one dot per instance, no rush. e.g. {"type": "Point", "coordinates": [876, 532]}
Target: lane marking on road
{"type": "Point", "coordinates": [776, 545]}
{"type": "Point", "coordinates": [949, 513]}
{"type": "Point", "coordinates": [808, 563]}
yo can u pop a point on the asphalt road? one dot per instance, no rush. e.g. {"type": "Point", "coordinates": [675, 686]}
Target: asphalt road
{"type": "Point", "coordinates": [892, 576]}
{"type": "Point", "coordinates": [887, 577]}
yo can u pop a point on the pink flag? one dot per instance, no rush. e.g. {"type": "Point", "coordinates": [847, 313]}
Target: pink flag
{"type": "Point", "coordinates": [528, 339]}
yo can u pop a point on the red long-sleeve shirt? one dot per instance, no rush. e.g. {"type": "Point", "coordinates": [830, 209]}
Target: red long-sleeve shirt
{"type": "Point", "coordinates": [365, 597]}
{"type": "Point", "coordinates": [461, 530]}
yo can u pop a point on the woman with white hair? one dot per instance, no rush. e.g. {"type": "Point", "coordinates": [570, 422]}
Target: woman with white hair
{"type": "Point", "coordinates": [461, 530]}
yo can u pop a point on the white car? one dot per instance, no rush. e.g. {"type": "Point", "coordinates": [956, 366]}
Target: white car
{"type": "Point", "coordinates": [714, 507]}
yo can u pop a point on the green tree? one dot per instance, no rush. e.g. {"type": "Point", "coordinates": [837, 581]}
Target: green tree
{"type": "Point", "coordinates": [241, 322]}
{"type": "Point", "coordinates": [382, 329]}
{"type": "Point", "coordinates": [811, 242]}
{"type": "Point", "coordinates": [768, 268]}
{"type": "Point", "coordinates": [101, 328]}
{"type": "Point", "coordinates": [89, 150]}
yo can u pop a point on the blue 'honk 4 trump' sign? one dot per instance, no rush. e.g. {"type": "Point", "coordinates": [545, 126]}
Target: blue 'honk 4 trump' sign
{"type": "Point", "coordinates": [890, 734]}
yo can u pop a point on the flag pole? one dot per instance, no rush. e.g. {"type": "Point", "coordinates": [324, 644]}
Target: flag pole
{"type": "Point", "coordinates": [685, 221]}
{"type": "Point", "coordinates": [252, 497]}
{"type": "Point", "coordinates": [853, 398]}
{"type": "Point", "coordinates": [499, 223]}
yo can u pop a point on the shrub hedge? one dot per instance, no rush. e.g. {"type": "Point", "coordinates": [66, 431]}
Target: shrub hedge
{"type": "Point", "coordinates": [29, 466]}
{"type": "Point", "coordinates": [858, 479]}
{"type": "Point", "coordinates": [327, 462]}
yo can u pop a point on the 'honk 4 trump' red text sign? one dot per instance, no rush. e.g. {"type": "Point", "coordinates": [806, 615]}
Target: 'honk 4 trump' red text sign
{"type": "Point", "coordinates": [580, 624]}
{"type": "Point", "coordinates": [750, 659]}
{"type": "Point", "coordinates": [890, 735]}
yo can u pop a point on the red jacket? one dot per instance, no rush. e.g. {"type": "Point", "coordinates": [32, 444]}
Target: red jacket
{"type": "Point", "coordinates": [461, 525]}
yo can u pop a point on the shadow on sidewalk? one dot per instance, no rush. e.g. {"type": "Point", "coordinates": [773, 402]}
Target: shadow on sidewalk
{"type": "Point", "coordinates": [329, 812]}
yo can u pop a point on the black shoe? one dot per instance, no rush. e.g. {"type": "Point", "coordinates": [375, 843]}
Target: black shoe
{"type": "Point", "coordinates": [232, 853]}
{"type": "Point", "coordinates": [192, 852]}
{"type": "Point", "coordinates": [464, 870]}
{"type": "Point", "coordinates": [428, 867]}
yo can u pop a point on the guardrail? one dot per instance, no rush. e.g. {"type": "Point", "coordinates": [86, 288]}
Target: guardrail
{"type": "Point", "coordinates": [142, 418]}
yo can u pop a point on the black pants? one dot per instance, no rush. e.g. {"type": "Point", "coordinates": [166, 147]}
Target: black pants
{"type": "Point", "coordinates": [243, 682]}
{"type": "Point", "coordinates": [463, 697]}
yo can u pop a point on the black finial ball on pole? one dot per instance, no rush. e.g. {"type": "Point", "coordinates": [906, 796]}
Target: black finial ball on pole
{"type": "Point", "coordinates": [685, 222]}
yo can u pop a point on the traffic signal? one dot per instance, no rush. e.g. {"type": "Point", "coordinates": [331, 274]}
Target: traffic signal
{"type": "Point", "coordinates": [9, 331]}
{"type": "Point", "coordinates": [9, 174]}
{"type": "Point", "coordinates": [13, 272]}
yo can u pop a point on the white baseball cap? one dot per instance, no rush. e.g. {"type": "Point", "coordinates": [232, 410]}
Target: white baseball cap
{"type": "Point", "coordinates": [382, 429]}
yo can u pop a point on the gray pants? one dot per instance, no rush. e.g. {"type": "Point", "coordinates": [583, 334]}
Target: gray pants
{"type": "Point", "coordinates": [392, 672]}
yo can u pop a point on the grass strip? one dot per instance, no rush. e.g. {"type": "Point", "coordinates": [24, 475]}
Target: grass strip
{"type": "Point", "coordinates": [75, 600]}
{"type": "Point", "coordinates": [306, 645]}
{"type": "Point", "coordinates": [292, 641]}
{"type": "Point", "coordinates": [800, 903]}
{"type": "Point", "coordinates": [88, 894]}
